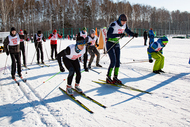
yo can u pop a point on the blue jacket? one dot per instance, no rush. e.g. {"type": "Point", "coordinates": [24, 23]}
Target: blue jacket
{"type": "Point", "coordinates": [151, 35]}
{"type": "Point", "coordinates": [157, 46]}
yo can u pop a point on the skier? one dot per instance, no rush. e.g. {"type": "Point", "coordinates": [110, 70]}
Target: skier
{"type": "Point", "coordinates": [53, 37]}
{"type": "Point", "coordinates": [22, 48]}
{"type": "Point", "coordinates": [145, 37]}
{"type": "Point", "coordinates": [70, 57]}
{"type": "Point", "coordinates": [115, 32]}
{"type": "Point", "coordinates": [155, 51]}
{"type": "Point", "coordinates": [12, 47]}
{"type": "Point", "coordinates": [38, 45]}
{"type": "Point", "coordinates": [151, 36]}
{"type": "Point", "coordinates": [92, 40]}
{"type": "Point", "coordinates": [83, 33]}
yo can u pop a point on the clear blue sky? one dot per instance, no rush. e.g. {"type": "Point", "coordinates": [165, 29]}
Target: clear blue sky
{"type": "Point", "coordinates": [170, 5]}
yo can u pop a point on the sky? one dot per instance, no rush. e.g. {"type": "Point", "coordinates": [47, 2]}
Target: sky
{"type": "Point", "coordinates": [170, 5]}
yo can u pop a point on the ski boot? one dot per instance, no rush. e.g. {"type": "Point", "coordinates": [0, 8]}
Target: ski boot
{"type": "Point", "coordinates": [20, 75]}
{"type": "Point", "coordinates": [38, 62]}
{"type": "Point", "coordinates": [69, 90]}
{"type": "Point", "coordinates": [42, 62]}
{"type": "Point", "coordinates": [13, 76]}
{"type": "Point", "coordinates": [109, 80]}
{"type": "Point", "coordinates": [161, 71]}
{"type": "Point", "coordinates": [116, 80]}
{"type": "Point", "coordinates": [98, 65]}
{"type": "Point", "coordinates": [89, 66]}
{"type": "Point", "coordinates": [156, 72]}
{"type": "Point", "coordinates": [77, 88]}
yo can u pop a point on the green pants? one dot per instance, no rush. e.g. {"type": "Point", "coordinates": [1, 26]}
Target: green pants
{"type": "Point", "coordinates": [159, 63]}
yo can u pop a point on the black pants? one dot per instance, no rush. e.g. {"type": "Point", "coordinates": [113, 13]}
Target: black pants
{"type": "Point", "coordinates": [15, 57]}
{"type": "Point", "coordinates": [74, 67]}
{"type": "Point", "coordinates": [22, 48]}
{"type": "Point", "coordinates": [92, 51]}
{"type": "Point", "coordinates": [39, 50]}
{"type": "Point", "coordinates": [145, 39]}
{"type": "Point", "coordinates": [54, 48]}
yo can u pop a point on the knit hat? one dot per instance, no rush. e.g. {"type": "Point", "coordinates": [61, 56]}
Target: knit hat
{"type": "Point", "coordinates": [13, 29]}
{"type": "Point", "coordinates": [39, 32]}
{"type": "Point", "coordinates": [92, 31]}
{"type": "Point", "coordinates": [21, 30]}
{"type": "Point", "coordinates": [164, 39]}
{"type": "Point", "coordinates": [54, 31]}
{"type": "Point", "coordinates": [80, 40]}
{"type": "Point", "coordinates": [122, 17]}
{"type": "Point", "coordinates": [84, 28]}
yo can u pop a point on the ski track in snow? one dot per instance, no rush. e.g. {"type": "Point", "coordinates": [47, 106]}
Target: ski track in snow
{"type": "Point", "coordinates": [42, 104]}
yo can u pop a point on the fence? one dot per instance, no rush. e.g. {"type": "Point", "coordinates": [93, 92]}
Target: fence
{"type": "Point", "coordinates": [158, 32]}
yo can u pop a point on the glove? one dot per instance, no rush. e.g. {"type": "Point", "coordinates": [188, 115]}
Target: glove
{"type": "Point", "coordinates": [61, 34]}
{"type": "Point", "coordinates": [135, 35]}
{"type": "Point", "coordinates": [150, 60]}
{"type": "Point", "coordinates": [7, 52]}
{"type": "Point", "coordinates": [27, 39]}
{"type": "Point", "coordinates": [86, 69]}
{"type": "Point", "coordinates": [44, 40]}
{"type": "Point", "coordinates": [121, 35]}
{"type": "Point", "coordinates": [25, 32]}
{"type": "Point", "coordinates": [97, 45]}
{"type": "Point", "coordinates": [51, 35]}
{"type": "Point", "coordinates": [62, 69]}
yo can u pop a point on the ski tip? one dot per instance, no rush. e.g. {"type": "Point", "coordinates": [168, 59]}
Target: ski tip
{"type": "Point", "coordinates": [91, 112]}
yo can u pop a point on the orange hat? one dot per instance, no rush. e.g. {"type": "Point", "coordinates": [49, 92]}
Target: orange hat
{"type": "Point", "coordinates": [55, 31]}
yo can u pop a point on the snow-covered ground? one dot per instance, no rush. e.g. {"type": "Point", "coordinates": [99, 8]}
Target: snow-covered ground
{"type": "Point", "coordinates": [43, 104]}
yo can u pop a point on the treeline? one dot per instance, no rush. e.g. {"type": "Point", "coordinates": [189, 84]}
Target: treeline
{"type": "Point", "coordinates": [45, 15]}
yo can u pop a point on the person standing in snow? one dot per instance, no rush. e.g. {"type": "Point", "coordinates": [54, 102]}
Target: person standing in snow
{"type": "Point", "coordinates": [70, 57]}
{"type": "Point", "coordinates": [151, 36]}
{"type": "Point", "coordinates": [92, 40]}
{"type": "Point", "coordinates": [12, 47]}
{"type": "Point", "coordinates": [145, 37]}
{"type": "Point", "coordinates": [53, 37]}
{"type": "Point", "coordinates": [22, 48]}
{"type": "Point", "coordinates": [155, 50]}
{"type": "Point", "coordinates": [116, 31]}
{"type": "Point", "coordinates": [38, 45]}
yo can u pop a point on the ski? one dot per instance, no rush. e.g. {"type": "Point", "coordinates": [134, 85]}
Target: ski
{"type": "Point", "coordinates": [77, 101]}
{"type": "Point", "coordinates": [94, 70]}
{"type": "Point", "coordinates": [89, 98]}
{"type": "Point", "coordinates": [40, 65]}
{"type": "Point", "coordinates": [122, 86]}
{"type": "Point", "coordinates": [26, 67]}
{"type": "Point", "coordinates": [16, 82]}
{"type": "Point", "coordinates": [24, 80]}
{"type": "Point", "coordinates": [45, 64]}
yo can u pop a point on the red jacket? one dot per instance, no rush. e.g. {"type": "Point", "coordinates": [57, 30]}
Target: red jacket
{"type": "Point", "coordinates": [54, 38]}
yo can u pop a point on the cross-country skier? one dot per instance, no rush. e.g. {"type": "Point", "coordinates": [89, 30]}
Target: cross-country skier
{"type": "Point", "coordinates": [155, 50]}
{"type": "Point", "coordinates": [92, 40]}
{"type": "Point", "coordinates": [38, 45]}
{"type": "Point", "coordinates": [151, 36]}
{"type": "Point", "coordinates": [116, 31]}
{"type": "Point", "coordinates": [53, 37]}
{"type": "Point", "coordinates": [22, 48]}
{"type": "Point", "coordinates": [83, 33]}
{"type": "Point", "coordinates": [12, 47]}
{"type": "Point", "coordinates": [70, 57]}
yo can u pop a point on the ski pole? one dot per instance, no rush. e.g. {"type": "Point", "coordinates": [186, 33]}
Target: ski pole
{"type": "Point", "coordinates": [137, 61]}
{"type": "Point", "coordinates": [46, 52]}
{"type": "Point", "coordinates": [127, 42]}
{"type": "Point", "coordinates": [35, 52]}
{"type": "Point", "coordinates": [52, 77]}
{"type": "Point", "coordinates": [5, 65]}
{"type": "Point", "coordinates": [110, 48]}
{"type": "Point", "coordinates": [60, 46]}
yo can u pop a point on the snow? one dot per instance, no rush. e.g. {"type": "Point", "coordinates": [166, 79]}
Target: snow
{"type": "Point", "coordinates": [43, 104]}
